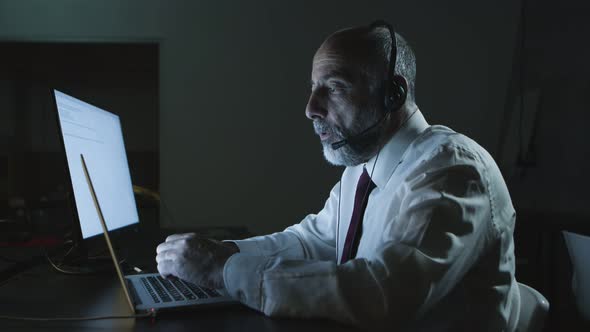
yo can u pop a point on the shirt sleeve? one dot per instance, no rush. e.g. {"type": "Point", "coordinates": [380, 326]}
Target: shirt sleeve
{"type": "Point", "coordinates": [312, 238]}
{"type": "Point", "coordinates": [444, 214]}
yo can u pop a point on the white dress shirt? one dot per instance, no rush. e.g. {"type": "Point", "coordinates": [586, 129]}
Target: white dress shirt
{"type": "Point", "coordinates": [436, 251]}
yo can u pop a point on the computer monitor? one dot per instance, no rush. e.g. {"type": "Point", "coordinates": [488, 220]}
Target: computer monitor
{"type": "Point", "coordinates": [97, 134]}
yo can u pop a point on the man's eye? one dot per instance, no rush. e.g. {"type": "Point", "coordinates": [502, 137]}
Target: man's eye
{"type": "Point", "coordinates": [335, 89]}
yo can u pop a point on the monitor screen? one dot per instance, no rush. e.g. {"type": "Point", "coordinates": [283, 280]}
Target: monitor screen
{"type": "Point", "coordinates": [96, 134]}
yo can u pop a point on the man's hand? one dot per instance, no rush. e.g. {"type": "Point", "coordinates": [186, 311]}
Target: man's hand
{"type": "Point", "coordinates": [194, 259]}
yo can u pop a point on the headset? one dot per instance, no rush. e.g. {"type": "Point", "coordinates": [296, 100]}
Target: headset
{"type": "Point", "coordinates": [394, 94]}
{"type": "Point", "coordinates": [394, 88]}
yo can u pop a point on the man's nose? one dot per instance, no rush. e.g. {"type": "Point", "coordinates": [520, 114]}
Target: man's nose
{"type": "Point", "coordinates": [315, 108]}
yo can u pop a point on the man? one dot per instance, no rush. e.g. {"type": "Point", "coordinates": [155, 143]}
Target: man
{"type": "Point", "coordinates": [416, 235]}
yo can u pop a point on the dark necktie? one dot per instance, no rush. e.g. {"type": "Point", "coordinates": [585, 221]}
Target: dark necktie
{"type": "Point", "coordinates": [363, 189]}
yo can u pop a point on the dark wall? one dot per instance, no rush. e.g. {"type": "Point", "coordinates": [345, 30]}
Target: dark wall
{"type": "Point", "coordinates": [544, 151]}
{"type": "Point", "coordinates": [544, 147]}
{"type": "Point", "coordinates": [235, 146]}
{"type": "Point", "coordinates": [120, 78]}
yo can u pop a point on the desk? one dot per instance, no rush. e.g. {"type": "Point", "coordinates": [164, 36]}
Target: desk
{"type": "Point", "coordinates": [41, 292]}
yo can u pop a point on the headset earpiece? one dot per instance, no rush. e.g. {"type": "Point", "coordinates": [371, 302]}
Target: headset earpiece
{"type": "Point", "coordinates": [396, 94]}
{"type": "Point", "coordinates": [400, 91]}
{"type": "Point", "coordinates": [395, 88]}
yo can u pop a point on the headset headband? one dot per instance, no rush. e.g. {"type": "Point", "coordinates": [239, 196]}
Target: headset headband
{"type": "Point", "coordinates": [393, 51]}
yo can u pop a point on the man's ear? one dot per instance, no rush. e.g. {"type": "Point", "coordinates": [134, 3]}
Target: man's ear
{"type": "Point", "coordinates": [398, 92]}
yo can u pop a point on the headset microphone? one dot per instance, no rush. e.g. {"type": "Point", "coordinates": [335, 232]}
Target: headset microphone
{"type": "Point", "coordinates": [358, 137]}
{"type": "Point", "coordinates": [339, 144]}
{"type": "Point", "coordinates": [394, 90]}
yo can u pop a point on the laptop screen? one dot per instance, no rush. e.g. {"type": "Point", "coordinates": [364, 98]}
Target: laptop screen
{"type": "Point", "coordinates": [97, 134]}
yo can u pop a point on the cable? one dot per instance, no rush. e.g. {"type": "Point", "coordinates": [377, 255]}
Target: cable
{"type": "Point", "coordinates": [71, 248]}
{"type": "Point", "coordinates": [338, 219]}
{"type": "Point", "coordinates": [366, 191]}
{"type": "Point", "coordinates": [364, 197]}
{"type": "Point", "coordinates": [64, 271]}
{"type": "Point", "coordinates": [59, 267]}
{"type": "Point", "coordinates": [151, 313]}
{"type": "Point", "coordinates": [139, 190]}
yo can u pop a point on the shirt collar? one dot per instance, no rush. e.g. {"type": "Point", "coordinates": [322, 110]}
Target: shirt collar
{"type": "Point", "coordinates": [391, 154]}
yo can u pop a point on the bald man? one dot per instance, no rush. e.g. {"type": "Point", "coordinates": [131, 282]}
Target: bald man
{"type": "Point", "coordinates": [416, 235]}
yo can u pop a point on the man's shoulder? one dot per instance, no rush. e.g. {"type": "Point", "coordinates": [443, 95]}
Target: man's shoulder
{"type": "Point", "coordinates": [440, 140]}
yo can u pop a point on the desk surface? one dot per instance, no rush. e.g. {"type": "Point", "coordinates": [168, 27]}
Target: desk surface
{"type": "Point", "coordinates": [41, 292]}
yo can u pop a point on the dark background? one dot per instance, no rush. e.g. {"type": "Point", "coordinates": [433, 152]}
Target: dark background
{"type": "Point", "coordinates": [212, 95]}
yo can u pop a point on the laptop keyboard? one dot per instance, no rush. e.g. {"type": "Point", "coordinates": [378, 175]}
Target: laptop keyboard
{"type": "Point", "coordinates": [159, 290]}
{"type": "Point", "coordinates": [183, 289]}
{"type": "Point", "coordinates": [168, 290]}
{"type": "Point", "coordinates": [171, 289]}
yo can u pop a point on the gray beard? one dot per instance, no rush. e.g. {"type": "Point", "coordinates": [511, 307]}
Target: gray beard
{"type": "Point", "coordinates": [356, 153]}
{"type": "Point", "coordinates": [348, 155]}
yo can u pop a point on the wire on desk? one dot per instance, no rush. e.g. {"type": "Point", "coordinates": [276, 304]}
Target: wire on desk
{"type": "Point", "coordinates": [151, 313]}
{"type": "Point", "coordinates": [64, 271]}
{"type": "Point", "coordinates": [58, 267]}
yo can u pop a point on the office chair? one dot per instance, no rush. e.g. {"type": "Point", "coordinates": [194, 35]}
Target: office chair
{"type": "Point", "coordinates": [578, 247]}
{"type": "Point", "coordinates": [533, 309]}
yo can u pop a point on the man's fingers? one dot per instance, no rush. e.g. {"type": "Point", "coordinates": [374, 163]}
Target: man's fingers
{"type": "Point", "coordinates": [163, 247]}
{"type": "Point", "coordinates": [177, 243]}
{"type": "Point", "coordinates": [166, 268]}
{"type": "Point", "coordinates": [175, 237]}
{"type": "Point", "coordinates": [166, 255]}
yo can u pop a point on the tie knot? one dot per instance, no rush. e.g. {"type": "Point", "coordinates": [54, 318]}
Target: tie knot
{"type": "Point", "coordinates": [365, 181]}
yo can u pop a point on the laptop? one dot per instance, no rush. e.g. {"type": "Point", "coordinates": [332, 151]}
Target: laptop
{"type": "Point", "coordinates": [150, 291]}
{"type": "Point", "coordinates": [93, 139]}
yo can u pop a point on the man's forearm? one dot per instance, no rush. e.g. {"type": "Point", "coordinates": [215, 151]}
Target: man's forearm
{"type": "Point", "coordinates": [284, 244]}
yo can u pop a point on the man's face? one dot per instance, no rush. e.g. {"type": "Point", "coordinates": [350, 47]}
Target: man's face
{"type": "Point", "coordinates": [342, 102]}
